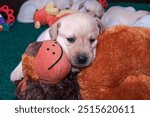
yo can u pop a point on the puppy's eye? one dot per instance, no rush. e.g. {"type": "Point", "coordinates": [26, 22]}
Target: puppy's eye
{"type": "Point", "coordinates": [92, 40]}
{"type": "Point", "coordinates": [67, 8]}
{"type": "Point", "coordinates": [71, 40]}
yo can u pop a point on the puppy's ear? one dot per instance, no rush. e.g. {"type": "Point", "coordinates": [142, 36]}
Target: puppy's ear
{"type": "Point", "coordinates": [100, 25]}
{"type": "Point", "coordinates": [53, 31]}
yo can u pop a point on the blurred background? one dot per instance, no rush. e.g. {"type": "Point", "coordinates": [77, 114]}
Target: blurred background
{"type": "Point", "coordinates": [15, 4]}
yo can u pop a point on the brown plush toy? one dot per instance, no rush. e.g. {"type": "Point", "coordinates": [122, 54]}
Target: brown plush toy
{"type": "Point", "coordinates": [47, 73]}
{"type": "Point", "coordinates": [121, 69]}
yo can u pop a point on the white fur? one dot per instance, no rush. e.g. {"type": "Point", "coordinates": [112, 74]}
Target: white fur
{"type": "Point", "coordinates": [91, 7]}
{"type": "Point", "coordinates": [63, 4]}
{"type": "Point", "coordinates": [81, 26]}
{"type": "Point", "coordinates": [143, 22]}
{"type": "Point", "coordinates": [121, 15]}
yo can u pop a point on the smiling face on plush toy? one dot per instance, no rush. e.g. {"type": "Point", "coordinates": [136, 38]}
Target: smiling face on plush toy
{"type": "Point", "coordinates": [46, 61]}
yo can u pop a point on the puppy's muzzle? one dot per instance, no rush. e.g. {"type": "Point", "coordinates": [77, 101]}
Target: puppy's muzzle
{"type": "Point", "coordinates": [81, 59]}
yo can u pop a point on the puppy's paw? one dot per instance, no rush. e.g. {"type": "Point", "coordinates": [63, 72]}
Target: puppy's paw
{"type": "Point", "coordinates": [16, 75]}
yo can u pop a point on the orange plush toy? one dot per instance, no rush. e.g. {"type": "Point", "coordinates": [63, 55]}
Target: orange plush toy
{"type": "Point", "coordinates": [121, 69]}
{"type": "Point", "coordinates": [45, 61]}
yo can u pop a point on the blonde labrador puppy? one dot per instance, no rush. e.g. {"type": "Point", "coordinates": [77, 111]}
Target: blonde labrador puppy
{"type": "Point", "coordinates": [77, 34]}
{"type": "Point", "coordinates": [121, 15]}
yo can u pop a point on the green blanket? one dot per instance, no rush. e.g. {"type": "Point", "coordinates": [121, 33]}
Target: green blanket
{"type": "Point", "coordinates": [13, 44]}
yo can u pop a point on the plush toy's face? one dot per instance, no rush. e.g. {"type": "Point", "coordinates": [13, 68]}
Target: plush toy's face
{"type": "Point", "coordinates": [51, 62]}
{"type": "Point", "coordinates": [48, 62]}
{"type": "Point", "coordinates": [49, 55]}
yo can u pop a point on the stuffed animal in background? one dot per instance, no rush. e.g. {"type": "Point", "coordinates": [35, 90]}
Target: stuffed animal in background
{"type": "Point", "coordinates": [46, 15]}
{"type": "Point", "coordinates": [49, 15]}
{"type": "Point", "coordinates": [45, 68]}
{"type": "Point", "coordinates": [91, 7]}
{"type": "Point", "coordinates": [2, 21]}
{"type": "Point", "coordinates": [6, 22]}
{"type": "Point", "coordinates": [28, 8]}
{"type": "Point", "coordinates": [121, 69]}
{"type": "Point", "coordinates": [104, 3]}
{"type": "Point", "coordinates": [52, 9]}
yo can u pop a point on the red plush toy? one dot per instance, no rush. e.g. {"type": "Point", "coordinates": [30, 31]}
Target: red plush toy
{"type": "Point", "coordinates": [45, 61]}
{"type": "Point", "coordinates": [6, 22]}
{"type": "Point", "coordinates": [49, 15]}
{"type": "Point", "coordinates": [41, 17]}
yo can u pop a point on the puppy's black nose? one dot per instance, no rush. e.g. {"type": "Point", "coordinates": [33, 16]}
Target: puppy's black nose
{"type": "Point", "coordinates": [82, 59]}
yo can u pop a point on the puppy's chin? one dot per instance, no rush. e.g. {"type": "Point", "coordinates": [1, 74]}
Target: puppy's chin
{"type": "Point", "coordinates": [79, 65]}
{"type": "Point", "coordinates": [74, 64]}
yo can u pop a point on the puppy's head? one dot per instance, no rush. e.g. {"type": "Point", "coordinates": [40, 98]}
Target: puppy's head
{"type": "Point", "coordinates": [92, 8]}
{"type": "Point", "coordinates": [77, 34]}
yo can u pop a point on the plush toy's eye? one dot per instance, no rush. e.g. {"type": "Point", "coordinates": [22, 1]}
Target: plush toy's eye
{"type": "Point", "coordinates": [71, 39]}
{"type": "Point", "coordinates": [92, 40]}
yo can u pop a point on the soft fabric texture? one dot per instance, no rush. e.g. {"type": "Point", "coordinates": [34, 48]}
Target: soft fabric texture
{"type": "Point", "coordinates": [143, 22]}
{"type": "Point", "coordinates": [67, 89]}
{"type": "Point", "coordinates": [121, 69]}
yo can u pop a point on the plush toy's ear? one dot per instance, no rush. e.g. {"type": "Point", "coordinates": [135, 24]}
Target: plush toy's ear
{"type": "Point", "coordinates": [33, 48]}
{"type": "Point", "coordinates": [100, 26]}
{"type": "Point", "coordinates": [53, 31]}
